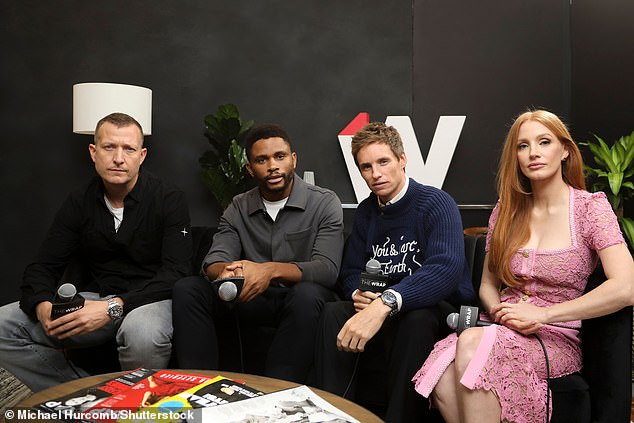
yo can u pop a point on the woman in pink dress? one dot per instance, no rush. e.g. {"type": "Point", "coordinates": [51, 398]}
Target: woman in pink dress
{"type": "Point", "coordinates": [545, 236]}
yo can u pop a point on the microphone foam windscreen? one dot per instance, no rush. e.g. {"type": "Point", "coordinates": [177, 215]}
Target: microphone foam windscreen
{"type": "Point", "coordinates": [227, 291]}
{"type": "Point", "coordinates": [66, 291]}
{"type": "Point", "coordinates": [373, 266]}
{"type": "Point", "coordinates": [452, 320]}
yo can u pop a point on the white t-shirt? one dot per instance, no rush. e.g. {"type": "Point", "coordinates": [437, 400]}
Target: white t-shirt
{"type": "Point", "coordinates": [274, 207]}
{"type": "Point", "coordinates": [117, 213]}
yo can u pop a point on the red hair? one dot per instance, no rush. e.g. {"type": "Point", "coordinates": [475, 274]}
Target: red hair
{"type": "Point", "coordinates": [511, 230]}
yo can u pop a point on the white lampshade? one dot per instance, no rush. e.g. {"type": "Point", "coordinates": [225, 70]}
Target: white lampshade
{"type": "Point", "coordinates": [94, 100]}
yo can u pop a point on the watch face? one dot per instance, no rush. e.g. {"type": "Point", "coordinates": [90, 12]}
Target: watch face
{"type": "Point", "coordinates": [389, 299]}
{"type": "Point", "coordinates": [115, 311]}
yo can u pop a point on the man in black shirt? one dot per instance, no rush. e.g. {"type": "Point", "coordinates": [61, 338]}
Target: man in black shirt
{"type": "Point", "coordinates": [131, 234]}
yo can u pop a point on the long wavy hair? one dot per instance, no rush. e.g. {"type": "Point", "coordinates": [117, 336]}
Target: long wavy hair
{"type": "Point", "coordinates": [511, 230]}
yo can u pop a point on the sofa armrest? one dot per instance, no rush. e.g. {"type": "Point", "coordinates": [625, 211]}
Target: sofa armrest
{"type": "Point", "coordinates": [607, 361]}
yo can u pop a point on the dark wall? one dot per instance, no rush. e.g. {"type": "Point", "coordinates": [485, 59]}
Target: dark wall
{"type": "Point", "coordinates": [602, 69]}
{"type": "Point", "coordinates": [309, 65]}
{"type": "Point", "coordinates": [488, 60]}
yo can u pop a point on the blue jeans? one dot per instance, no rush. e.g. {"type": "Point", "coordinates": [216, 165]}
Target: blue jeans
{"type": "Point", "coordinates": [144, 339]}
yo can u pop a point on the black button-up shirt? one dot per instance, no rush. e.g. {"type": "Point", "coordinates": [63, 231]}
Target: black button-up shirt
{"type": "Point", "coordinates": [139, 263]}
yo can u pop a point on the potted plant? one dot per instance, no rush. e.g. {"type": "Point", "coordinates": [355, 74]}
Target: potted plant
{"type": "Point", "coordinates": [614, 176]}
{"type": "Point", "coordinates": [224, 166]}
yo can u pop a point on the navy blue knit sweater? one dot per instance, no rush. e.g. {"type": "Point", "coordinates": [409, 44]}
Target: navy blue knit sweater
{"type": "Point", "coordinates": [419, 243]}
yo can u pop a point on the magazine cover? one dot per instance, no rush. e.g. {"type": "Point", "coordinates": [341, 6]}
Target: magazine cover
{"type": "Point", "coordinates": [72, 406]}
{"type": "Point", "coordinates": [299, 405]}
{"type": "Point", "coordinates": [143, 394]}
{"type": "Point", "coordinates": [216, 391]}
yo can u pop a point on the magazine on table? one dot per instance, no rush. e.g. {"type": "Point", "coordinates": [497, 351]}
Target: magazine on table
{"type": "Point", "coordinates": [118, 397]}
{"type": "Point", "coordinates": [298, 405]}
{"type": "Point", "coordinates": [217, 391]}
{"type": "Point", "coordinates": [72, 406]}
{"type": "Point", "coordinates": [144, 394]}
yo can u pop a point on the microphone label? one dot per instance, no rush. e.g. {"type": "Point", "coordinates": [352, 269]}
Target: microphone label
{"type": "Point", "coordinates": [468, 318]}
{"type": "Point", "coordinates": [60, 309]}
{"type": "Point", "coordinates": [373, 282]}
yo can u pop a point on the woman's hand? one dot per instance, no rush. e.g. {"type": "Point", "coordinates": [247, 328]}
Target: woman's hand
{"type": "Point", "coordinates": [522, 317]}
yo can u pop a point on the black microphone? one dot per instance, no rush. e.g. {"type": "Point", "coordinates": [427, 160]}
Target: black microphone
{"type": "Point", "coordinates": [468, 318]}
{"type": "Point", "coordinates": [66, 301]}
{"type": "Point", "coordinates": [229, 288]}
{"type": "Point", "coordinates": [373, 278]}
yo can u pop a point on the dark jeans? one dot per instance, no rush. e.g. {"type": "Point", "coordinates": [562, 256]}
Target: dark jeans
{"type": "Point", "coordinates": [295, 311]}
{"type": "Point", "coordinates": [389, 361]}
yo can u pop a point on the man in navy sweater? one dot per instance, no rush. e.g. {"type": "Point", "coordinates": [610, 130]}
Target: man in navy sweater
{"type": "Point", "coordinates": [415, 232]}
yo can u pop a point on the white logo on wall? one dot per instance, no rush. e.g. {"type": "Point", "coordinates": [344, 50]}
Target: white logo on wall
{"type": "Point", "coordinates": [433, 172]}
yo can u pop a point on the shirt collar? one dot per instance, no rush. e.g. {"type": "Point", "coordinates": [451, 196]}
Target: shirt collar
{"type": "Point", "coordinates": [398, 196]}
{"type": "Point", "coordinates": [134, 195]}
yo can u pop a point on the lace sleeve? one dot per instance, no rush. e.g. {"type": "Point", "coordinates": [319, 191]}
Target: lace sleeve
{"type": "Point", "coordinates": [492, 219]}
{"type": "Point", "coordinates": [601, 227]}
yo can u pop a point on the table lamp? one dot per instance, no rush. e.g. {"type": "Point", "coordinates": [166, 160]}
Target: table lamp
{"type": "Point", "coordinates": [94, 100]}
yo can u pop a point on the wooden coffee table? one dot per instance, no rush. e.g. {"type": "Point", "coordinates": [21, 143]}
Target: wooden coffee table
{"type": "Point", "coordinates": [264, 384]}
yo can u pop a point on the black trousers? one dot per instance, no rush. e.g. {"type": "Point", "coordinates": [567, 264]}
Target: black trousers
{"type": "Point", "coordinates": [294, 311]}
{"type": "Point", "coordinates": [390, 360]}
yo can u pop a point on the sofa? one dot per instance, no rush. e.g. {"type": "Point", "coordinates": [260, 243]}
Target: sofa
{"type": "Point", "coordinates": [600, 393]}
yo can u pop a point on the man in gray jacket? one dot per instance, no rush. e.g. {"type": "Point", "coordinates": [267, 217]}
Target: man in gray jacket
{"type": "Point", "coordinates": [285, 237]}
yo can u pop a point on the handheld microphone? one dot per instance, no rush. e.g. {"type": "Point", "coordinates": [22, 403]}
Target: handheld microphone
{"type": "Point", "coordinates": [66, 301]}
{"type": "Point", "coordinates": [229, 288]}
{"type": "Point", "coordinates": [373, 278]}
{"type": "Point", "coordinates": [66, 292]}
{"type": "Point", "coordinates": [467, 318]}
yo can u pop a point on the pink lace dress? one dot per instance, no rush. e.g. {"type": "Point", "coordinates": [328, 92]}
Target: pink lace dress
{"type": "Point", "coordinates": [513, 365]}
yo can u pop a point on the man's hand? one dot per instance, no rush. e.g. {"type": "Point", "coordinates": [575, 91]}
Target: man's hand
{"type": "Point", "coordinates": [257, 277]}
{"type": "Point", "coordinates": [362, 299]}
{"type": "Point", "coordinates": [522, 317]}
{"type": "Point", "coordinates": [361, 327]}
{"type": "Point", "coordinates": [43, 313]}
{"type": "Point", "coordinates": [85, 320]}
{"type": "Point", "coordinates": [231, 270]}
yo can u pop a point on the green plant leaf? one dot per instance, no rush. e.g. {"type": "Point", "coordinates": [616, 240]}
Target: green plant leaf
{"type": "Point", "coordinates": [224, 165]}
{"type": "Point", "coordinates": [615, 180]}
{"type": "Point", "coordinates": [614, 170]}
{"type": "Point", "coordinates": [228, 111]}
{"type": "Point", "coordinates": [628, 146]}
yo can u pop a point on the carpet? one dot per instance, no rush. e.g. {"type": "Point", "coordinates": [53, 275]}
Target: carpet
{"type": "Point", "coordinates": [12, 391]}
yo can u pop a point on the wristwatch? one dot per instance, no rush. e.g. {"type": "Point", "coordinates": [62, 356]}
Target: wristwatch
{"type": "Point", "coordinates": [115, 311]}
{"type": "Point", "coordinates": [389, 299]}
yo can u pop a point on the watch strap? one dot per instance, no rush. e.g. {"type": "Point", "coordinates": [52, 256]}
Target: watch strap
{"type": "Point", "coordinates": [114, 310]}
{"type": "Point", "coordinates": [389, 299]}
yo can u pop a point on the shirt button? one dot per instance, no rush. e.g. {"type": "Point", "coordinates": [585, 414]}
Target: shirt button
{"type": "Point", "coordinates": [525, 253]}
{"type": "Point", "coordinates": [524, 297]}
